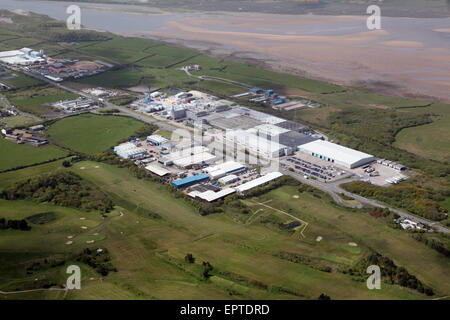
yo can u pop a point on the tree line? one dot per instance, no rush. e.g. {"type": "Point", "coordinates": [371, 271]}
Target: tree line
{"type": "Point", "coordinates": [21, 224]}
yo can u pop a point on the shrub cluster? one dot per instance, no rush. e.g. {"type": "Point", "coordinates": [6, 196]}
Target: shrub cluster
{"type": "Point", "coordinates": [14, 224]}
{"type": "Point", "coordinates": [60, 188]}
{"type": "Point", "coordinates": [419, 201]}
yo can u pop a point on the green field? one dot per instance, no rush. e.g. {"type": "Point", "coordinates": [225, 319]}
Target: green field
{"type": "Point", "coordinates": [431, 140]}
{"type": "Point", "coordinates": [89, 133]}
{"type": "Point", "coordinates": [17, 121]}
{"type": "Point", "coordinates": [16, 155]}
{"type": "Point", "coordinates": [20, 81]}
{"type": "Point", "coordinates": [149, 253]}
{"type": "Point", "coordinates": [37, 100]}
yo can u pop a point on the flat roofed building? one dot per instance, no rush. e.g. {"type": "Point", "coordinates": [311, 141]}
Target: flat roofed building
{"type": "Point", "coordinates": [293, 139]}
{"type": "Point", "coordinates": [335, 153]}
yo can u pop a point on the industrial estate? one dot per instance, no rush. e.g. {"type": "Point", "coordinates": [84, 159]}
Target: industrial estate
{"type": "Point", "coordinates": [206, 178]}
{"type": "Point", "coordinates": [212, 163]}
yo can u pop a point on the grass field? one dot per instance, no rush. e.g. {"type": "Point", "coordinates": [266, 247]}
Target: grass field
{"type": "Point", "coordinates": [20, 81]}
{"type": "Point", "coordinates": [8, 178]}
{"type": "Point", "coordinates": [89, 133]}
{"type": "Point", "coordinates": [24, 155]}
{"type": "Point", "coordinates": [431, 140]}
{"type": "Point", "coordinates": [149, 253]}
{"type": "Point", "coordinates": [17, 121]}
{"type": "Point", "coordinates": [37, 100]}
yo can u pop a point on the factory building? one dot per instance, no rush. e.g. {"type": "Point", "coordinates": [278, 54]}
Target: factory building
{"type": "Point", "coordinates": [24, 56]}
{"type": "Point", "coordinates": [223, 169]}
{"type": "Point", "coordinates": [189, 181]}
{"type": "Point", "coordinates": [258, 182]}
{"type": "Point", "coordinates": [210, 196]}
{"type": "Point", "coordinates": [177, 112]}
{"type": "Point", "coordinates": [293, 139]}
{"type": "Point", "coordinates": [155, 169]}
{"type": "Point", "coordinates": [291, 125]}
{"type": "Point", "coordinates": [156, 140]}
{"type": "Point", "coordinates": [257, 144]}
{"type": "Point", "coordinates": [228, 179]}
{"type": "Point", "coordinates": [130, 151]}
{"type": "Point", "coordinates": [189, 157]}
{"type": "Point", "coordinates": [268, 130]}
{"type": "Point", "coordinates": [335, 153]}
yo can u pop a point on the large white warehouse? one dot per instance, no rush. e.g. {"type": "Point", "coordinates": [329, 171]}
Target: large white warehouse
{"type": "Point", "coordinates": [335, 153]}
{"type": "Point", "coordinates": [257, 144]}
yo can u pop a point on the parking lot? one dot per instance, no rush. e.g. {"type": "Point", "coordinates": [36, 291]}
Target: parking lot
{"type": "Point", "coordinates": [378, 174]}
{"type": "Point", "coordinates": [310, 166]}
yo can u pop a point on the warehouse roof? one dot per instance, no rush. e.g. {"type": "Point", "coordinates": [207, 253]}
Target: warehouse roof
{"type": "Point", "coordinates": [193, 179]}
{"type": "Point", "coordinates": [227, 167]}
{"type": "Point", "coordinates": [254, 142]}
{"type": "Point", "coordinates": [294, 139]}
{"type": "Point", "coordinates": [291, 125]}
{"type": "Point", "coordinates": [335, 151]}
{"type": "Point", "coordinates": [157, 170]}
{"type": "Point", "coordinates": [213, 196]}
{"type": "Point", "coordinates": [196, 158]}
{"type": "Point", "coordinates": [157, 138]}
{"type": "Point", "coordinates": [229, 178]}
{"type": "Point", "coordinates": [270, 129]}
{"type": "Point", "coordinates": [259, 181]}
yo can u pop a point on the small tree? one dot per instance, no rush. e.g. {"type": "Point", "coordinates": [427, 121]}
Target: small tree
{"type": "Point", "coordinates": [207, 268]}
{"type": "Point", "coordinates": [323, 296]}
{"type": "Point", "coordinates": [189, 258]}
{"type": "Point", "coordinates": [66, 164]}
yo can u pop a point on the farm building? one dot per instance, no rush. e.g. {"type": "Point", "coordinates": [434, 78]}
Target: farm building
{"type": "Point", "coordinates": [335, 153]}
{"type": "Point", "coordinates": [258, 182]}
{"type": "Point", "coordinates": [129, 151]}
{"type": "Point", "coordinates": [189, 181]}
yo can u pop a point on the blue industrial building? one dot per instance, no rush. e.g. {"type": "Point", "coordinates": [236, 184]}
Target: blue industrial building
{"type": "Point", "coordinates": [256, 90]}
{"type": "Point", "coordinates": [189, 181]}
